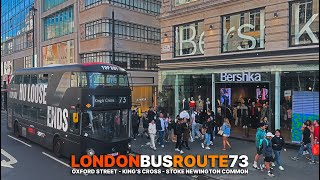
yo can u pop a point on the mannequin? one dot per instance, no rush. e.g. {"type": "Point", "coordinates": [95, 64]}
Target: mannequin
{"type": "Point", "coordinates": [192, 104]}
{"type": "Point", "coordinates": [199, 104]}
{"type": "Point", "coordinates": [185, 104]}
{"type": "Point", "coordinates": [208, 104]}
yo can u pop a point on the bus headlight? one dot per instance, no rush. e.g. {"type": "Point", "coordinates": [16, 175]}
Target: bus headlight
{"type": "Point", "coordinates": [90, 152]}
{"type": "Point", "coordinates": [129, 145]}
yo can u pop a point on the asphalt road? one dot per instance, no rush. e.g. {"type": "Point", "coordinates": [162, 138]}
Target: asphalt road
{"type": "Point", "coordinates": [31, 161]}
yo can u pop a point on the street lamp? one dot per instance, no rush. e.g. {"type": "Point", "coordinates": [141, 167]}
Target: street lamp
{"type": "Point", "coordinates": [33, 11]}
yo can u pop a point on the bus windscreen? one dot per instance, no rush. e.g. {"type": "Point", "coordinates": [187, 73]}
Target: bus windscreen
{"type": "Point", "coordinates": [98, 79]}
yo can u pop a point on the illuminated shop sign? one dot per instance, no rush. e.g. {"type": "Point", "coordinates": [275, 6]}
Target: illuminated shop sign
{"type": "Point", "coordinates": [242, 77]}
{"type": "Point", "coordinates": [244, 31]}
{"type": "Point", "coordinates": [189, 39]}
{"type": "Point", "coordinates": [304, 19]}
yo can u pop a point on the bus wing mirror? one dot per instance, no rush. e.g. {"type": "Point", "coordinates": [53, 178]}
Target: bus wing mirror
{"type": "Point", "coordinates": [130, 81]}
{"type": "Point", "coordinates": [85, 119]}
{"type": "Point", "coordinates": [75, 118]}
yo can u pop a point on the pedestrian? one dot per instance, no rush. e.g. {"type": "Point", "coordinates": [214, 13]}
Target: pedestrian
{"type": "Point", "coordinates": [145, 124]}
{"type": "Point", "coordinates": [277, 145]}
{"type": "Point", "coordinates": [316, 132]}
{"type": "Point", "coordinates": [267, 152]}
{"type": "Point", "coordinates": [161, 126]}
{"type": "Point", "coordinates": [186, 133]}
{"type": "Point", "coordinates": [167, 128]}
{"type": "Point", "coordinates": [226, 127]}
{"type": "Point", "coordinates": [208, 131]}
{"type": "Point", "coordinates": [178, 131]}
{"type": "Point", "coordinates": [195, 126]}
{"type": "Point", "coordinates": [306, 129]}
{"type": "Point", "coordinates": [260, 134]}
{"type": "Point", "coordinates": [151, 114]}
{"type": "Point", "coordinates": [135, 124]}
{"type": "Point", "coordinates": [152, 129]}
{"type": "Point", "coordinates": [213, 126]}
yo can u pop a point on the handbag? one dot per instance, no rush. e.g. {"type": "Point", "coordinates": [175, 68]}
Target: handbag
{"type": "Point", "coordinates": [220, 132]}
{"type": "Point", "coordinates": [315, 149]}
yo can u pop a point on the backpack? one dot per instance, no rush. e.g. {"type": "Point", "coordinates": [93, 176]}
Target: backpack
{"type": "Point", "coordinates": [261, 143]}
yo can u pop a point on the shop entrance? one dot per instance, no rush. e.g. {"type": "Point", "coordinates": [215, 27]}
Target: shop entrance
{"type": "Point", "coordinates": [244, 104]}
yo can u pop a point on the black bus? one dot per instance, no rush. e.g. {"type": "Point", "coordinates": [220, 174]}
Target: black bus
{"type": "Point", "coordinates": [72, 109]}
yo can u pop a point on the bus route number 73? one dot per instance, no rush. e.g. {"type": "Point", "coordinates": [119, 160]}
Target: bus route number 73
{"type": "Point", "coordinates": [122, 100]}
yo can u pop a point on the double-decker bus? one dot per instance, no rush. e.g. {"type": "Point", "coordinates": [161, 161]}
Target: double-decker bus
{"type": "Point", "coordinates": [72, 109]}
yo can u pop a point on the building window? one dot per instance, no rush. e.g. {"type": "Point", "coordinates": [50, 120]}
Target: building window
{"type": "Point", "coordinates": [28, 62]}
{"type": "Point", "coordinates": [181, 2]}
{"type": "Point", "coordinates": [59, 24]}
{"type": "Point", "coordinates": [304, 20]}
{"type": "Point", "coordinates": [122, 59]}
{"type": "Point", "coordinates": [125, 30]}
{"type": "Point", "coordinates": [243, 31]}
{"type": "Point", "coordinates": [49, 4]}
{"type": "Point", "coordinates": [145, 6]}
{"type": "Point", "coordinates": [189, 39]}
{"type": "Point", "coordinates": [59, 53]}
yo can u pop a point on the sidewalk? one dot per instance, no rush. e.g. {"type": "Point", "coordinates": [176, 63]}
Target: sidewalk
{"type": "Point", "coordinates": [293, 170]}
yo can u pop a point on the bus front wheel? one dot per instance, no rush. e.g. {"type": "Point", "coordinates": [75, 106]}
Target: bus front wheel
{"type": "Point", "coordinates": [57, 146]}
{"type": "Point", "coordinates": [16, 130]}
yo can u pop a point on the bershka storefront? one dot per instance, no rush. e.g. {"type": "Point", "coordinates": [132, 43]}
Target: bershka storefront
{"type": "Point", "coordinates": [279, 97]}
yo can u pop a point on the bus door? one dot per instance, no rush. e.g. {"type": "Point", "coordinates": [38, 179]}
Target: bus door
{"type": "Point", "coordinates": [72, 142]}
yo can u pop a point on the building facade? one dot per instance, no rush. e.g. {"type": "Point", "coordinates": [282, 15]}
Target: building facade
{"type": "Point", "coordinates": [80, 31]}
{"type": "Point", "coordinates": [249, 61]}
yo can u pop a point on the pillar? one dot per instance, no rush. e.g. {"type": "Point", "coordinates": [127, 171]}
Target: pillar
{"type": "Point", "coordinates": [176, 95]}
{"type": "Point", "coordinates": [277, 100]}
{"type": "Point", "coordinates": [213, 89]}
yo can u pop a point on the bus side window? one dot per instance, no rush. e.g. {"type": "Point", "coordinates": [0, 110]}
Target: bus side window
{"type": "Point", "coordinates": [17, 109]}
{"type": "Point", "coordinates": [74, 127]}
{"type": "Point", "coordinates": [18, 79]}
{"type": "Point", "coordinates": [26, 79]}
{"type": "Point", "coordinates": [74, 79]}
{"type": "Point", "coordinates": [25, 111]}
{"type": "Point", "coordinates": [12, 81]}
{"type": "Point", "coordinates": [34, 78]}
{"type": "Point", "coordinates": [43, 78]}
{"type": "Point", "coordinates": [42, 116]}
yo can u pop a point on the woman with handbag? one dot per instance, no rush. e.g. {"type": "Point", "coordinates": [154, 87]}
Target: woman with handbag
{"type": "Point", "coordinates": [226, 127]}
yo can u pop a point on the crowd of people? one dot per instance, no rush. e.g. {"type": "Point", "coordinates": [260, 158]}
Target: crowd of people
{"type": "Point", "coordinates": [190, 126]}
{"type": "Point", "coordinates": [187, 126]}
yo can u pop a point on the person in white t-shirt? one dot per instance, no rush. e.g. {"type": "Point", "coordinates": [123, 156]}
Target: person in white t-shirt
{"type": "Point", "coordinates": [194, 126]}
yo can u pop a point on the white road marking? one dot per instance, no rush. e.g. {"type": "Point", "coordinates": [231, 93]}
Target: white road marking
{"type": "Point", "coordinates": [11, 161]}
{"type": "Point", "coordinates": [20, 141]}
{"type": "Point", "coordinates": [56, 159]}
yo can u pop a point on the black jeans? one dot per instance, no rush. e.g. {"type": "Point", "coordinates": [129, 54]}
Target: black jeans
{"type": "Point", "coordinates": [179, 143]}
{"type": "Point", "coordinates": [185, 143]}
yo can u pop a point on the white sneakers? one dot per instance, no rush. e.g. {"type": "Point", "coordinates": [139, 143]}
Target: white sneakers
{"type": "Point", "coordinates": [176, 149]}
{"type": "Point", "coordinates": [202, 145]}
{"type": "Point", "coordinates": [255, 166]}
{"type": "Point", "coordinates": [207, 147]}
{"type": "Point", "coordinates": [181, 152]}
{"type": "Point", "coordinates": [272, 164]}
{"type": "Point", "coordinates": [281, 168]}
{"type": "Point", "coordinates": [270, 174]}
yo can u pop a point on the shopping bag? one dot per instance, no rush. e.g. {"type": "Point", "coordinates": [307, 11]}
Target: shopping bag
{"type": "Point", "coordinates": [315, 149]}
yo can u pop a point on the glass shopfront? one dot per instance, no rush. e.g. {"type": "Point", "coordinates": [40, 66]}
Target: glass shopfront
{"type": "Point", "coordinates": [143, 97]}
{"type": "Point", "coordinates": [282, 99]}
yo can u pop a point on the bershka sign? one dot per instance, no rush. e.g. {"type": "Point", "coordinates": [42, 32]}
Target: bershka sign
{"type": "Point", "coordinates": [238, 77]}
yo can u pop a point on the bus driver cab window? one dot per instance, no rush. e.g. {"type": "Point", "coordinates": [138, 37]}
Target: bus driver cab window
{"type": "Point", "coordinates": [87, 127]}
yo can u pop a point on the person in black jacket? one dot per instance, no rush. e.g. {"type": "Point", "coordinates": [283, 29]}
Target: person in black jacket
{"type": "Point", "coordinates": [135, 124]}
{"type": "Point", "coordinates": [277, 145]}
{"type": "Point", "coordinates": [178, 131]}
